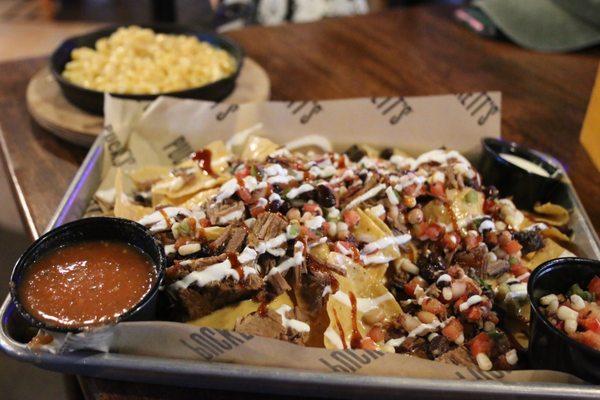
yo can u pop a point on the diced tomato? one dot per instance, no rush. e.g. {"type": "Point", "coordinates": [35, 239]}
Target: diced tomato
{"type": "Point", "coordinates": [452, 330]}
{"type": "Point", "coordinates": [433, 305]}
{"type": "Point", "coordinates": [591, 310]}
{"type": "Point", "coordinates": [490, 207]}
{"type": "Point", "coordinates": [512, 247]}
{"type": "Point", "coordinates": [451, 240]}
{"type": "Point", "coordinates": [588, 338]}
{"type": "Point", "coordinates": [437, 189]}
{"type": "Point", "coordinates": [481, 343]}
{"type": "Point", "coordinates": [518, 269]}
{"type": "Point", "coordinates": [325, 226]}
{"type": "Point", "coordinates": [411, 285]}
{"type": "Point", "coordinates": [368, 344]}
{"type": "Point", "coordinates": [376, 333]}
{"type": "Point", "coordinates": [244, 194]}
{"type": "Point", "coordinates": [256, 211]}
{"type": "Point", "coordinates": [307, 233]}
{"type": "Point", "coordinates": [459, 301]}
{"type": "Point", "coordinates": [312, 208]}
{"type": "Point", "coordinates": [204, 222]}
{"type": "Point", "coordinates": [351, 218]}
{"type": "Point", "coordinates": [433, 231]}
{"type": "Point", "coordinates": [591, 323]}
{"type": "Point", "coordinates": [474, 314]}
{"type": "Point", "coordinates": [594, 286]}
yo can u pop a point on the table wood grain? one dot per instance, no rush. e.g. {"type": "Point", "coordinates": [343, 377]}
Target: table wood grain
{"type": "Point", "coordinates": [413, 51]}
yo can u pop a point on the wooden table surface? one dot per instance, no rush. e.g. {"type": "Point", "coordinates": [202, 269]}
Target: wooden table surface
{"type": "Point", "coordinates": [413, 51]}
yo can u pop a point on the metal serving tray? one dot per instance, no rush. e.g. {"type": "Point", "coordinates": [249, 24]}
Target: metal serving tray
{"type": "Point", "coordinates": [14, 332]}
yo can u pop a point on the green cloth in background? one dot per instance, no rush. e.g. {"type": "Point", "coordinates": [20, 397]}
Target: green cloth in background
{"type": "Point", "coordinates": [546, 25]}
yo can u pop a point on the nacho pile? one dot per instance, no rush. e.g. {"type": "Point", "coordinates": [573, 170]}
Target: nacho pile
{"type": "Point", "coordinates": [361, 249]}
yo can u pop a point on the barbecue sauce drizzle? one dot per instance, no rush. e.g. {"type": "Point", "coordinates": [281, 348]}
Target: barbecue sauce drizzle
{"type": "Point", "coordinates": [203, 157]}
{"type": "Point", "coordinates": [235, 264]}
{"type": "Point", "coordinates": [356, 337]}
{"type": "Point", "coordinates": [166, 217]}
{"type": "Point", "coordinates": [340, 328]}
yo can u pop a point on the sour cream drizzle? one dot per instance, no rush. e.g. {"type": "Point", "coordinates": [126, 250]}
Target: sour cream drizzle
{"type": "Point", "coordinates": [366, 196]}
{"type": "Point", "coordinates": [294, 324]}
{"type": "Point", "coordinates": [294, 261]}
{"type": "Point", "coordinates": [212, 273]}
{"type": "Point", "coordinates": [363, 304]}
{"type": "Point", "coordinates": [385, 242]}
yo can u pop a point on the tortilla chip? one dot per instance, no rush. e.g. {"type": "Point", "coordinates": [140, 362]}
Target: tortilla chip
{"type": "Point", "coordinates": [518, 331]}
{"type": "Point", "coordinates": [146, 176]}
{"type": "Point", "coordinates": [200, 181]}
{"type": "Point", "coordinates": [556, 235]}
{"type": "Point", "coordinates": [199, 198]}
{"type": "Point", "coordinates": [550, 251]}
{"type": "Point", "coordinates": [370, 228]}
{"type": "Point", "coordinates": [123, 206]}
{"type": "Point", "coordinates": [320, 252]}
{"type": "Point", "coordinates": [365, 286]}
{"type": "Point", "coordinates": [213, 232]}
{"type": "Point", "coordinates": [464, 211]}
{"type": "Point", "coordinates": [551, 214]}
{"type": "Point", "coordinates": [220, 156]}
{"type": "Point", "coordinates": [258, 148]}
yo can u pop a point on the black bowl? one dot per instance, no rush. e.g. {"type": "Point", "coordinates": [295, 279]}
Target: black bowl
{"type": "Point", "coordinates": [96, 228]}
{"type": "Point", "coordinates": [550, 348]}
{"type": "Point", "coordinates": [93, 100]}
{"type": "Point", "coordinates": [526, 188]}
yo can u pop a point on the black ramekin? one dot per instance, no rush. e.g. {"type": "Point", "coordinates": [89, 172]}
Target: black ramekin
{"type": "Point", "coordinates": [93, 100]}
{"type": "Point", "coordinates": [526, 188]}
{"type": "Point", "coordinates": [550, 348]}
{"type": "Point", "coordinates": [96, 228]}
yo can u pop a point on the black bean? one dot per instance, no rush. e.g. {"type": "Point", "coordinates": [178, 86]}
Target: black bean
{"type": "Point", "coordinates": [502, 344]}
{"type": "Point", "coordinates": [430, 266]}
{"type": "Point", "coordinates": [143, 198]}
{"type": "Point", "coordinates": [277, 188]}
{"type": "Point", "coordinates": [442, 284]}
{"type": "Point", "coordinates": [325, 196]}
{"type": "Point", "coordinates": [355, 153]}
{"type": "Point", "coordinates": [278, 206]}
{"type": "Point", "coordinates": [438, 346]}
{"type": "Point", "coordinates": [386, 153]}
{"type": "Point", "coordinates": [530, 240]}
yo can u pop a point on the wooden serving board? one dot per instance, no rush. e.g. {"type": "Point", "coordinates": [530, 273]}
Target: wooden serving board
{"type": "Point", "coordinates": [52, 110]}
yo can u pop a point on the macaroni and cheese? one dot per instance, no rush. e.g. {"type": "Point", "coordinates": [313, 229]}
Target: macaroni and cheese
{"type": "Point", "coordinates": [136, 60]}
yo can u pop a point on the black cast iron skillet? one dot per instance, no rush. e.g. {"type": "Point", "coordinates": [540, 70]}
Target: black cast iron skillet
{"type": "Point", "coordinates": [93, 101]}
